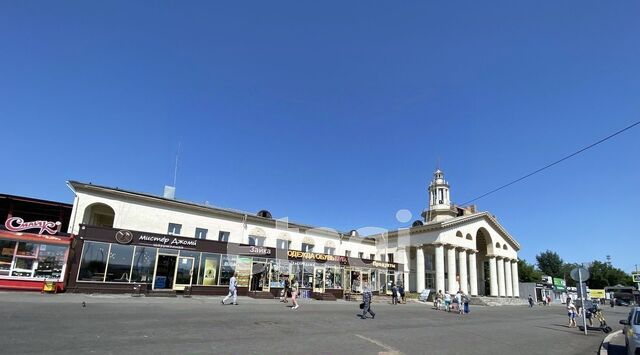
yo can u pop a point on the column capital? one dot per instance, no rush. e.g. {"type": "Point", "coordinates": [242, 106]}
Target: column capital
{"type": "Point", "coordinates": [506, 259]}
{"type": "Point", "coordinates": [491, 256]}
{"type": "Point", "coordinates": [514, 261]}
{"type": "Point", "coordinates": [499, 257]}
{"type": "Point", "coordinates": [438, 244]}
{"type": "Point", "coordinates": [462, 249]}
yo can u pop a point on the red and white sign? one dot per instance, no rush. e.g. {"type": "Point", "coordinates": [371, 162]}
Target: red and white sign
{"type": "Point", "coordinates": [17, 224]}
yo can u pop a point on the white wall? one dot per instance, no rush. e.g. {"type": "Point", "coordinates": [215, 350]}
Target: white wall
{"type": "Point", "coordinates": [140, 214]}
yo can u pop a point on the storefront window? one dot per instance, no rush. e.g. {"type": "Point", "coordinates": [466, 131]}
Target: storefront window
{"type": "Point", "coordinates": [7, 248]}
{"type": "Point", "coordinates": [307, 277]}
{"type": "Point", "coordinates": [27, 249]}
{"type": "Point", "coordinates": [120, 257]}
{"type": "Point", "coordinates": [329, 277]}
{"type": "Point", "coordinates": [23, 267]}
{"type": "Point", "coordinates": [51, 261]}
{"type": "Point", "coordinates": [374, 280]}
{"type": "Point", "coordinates": [382, 278]}
{"type": "Point", "coordinates": [144, 261]}
{"type": "Point", "coordinates": [196, 262]}
{"type": "Point", "coordinates": [347, 280]}
{"type": "Point", "coordinates": [296, 272]}
{"type": "Point", "coordinates": [94, 261]}
{"type": "Point", "coordinates": [208, 275]}
{"type": "Point", "coordinates": [337, 278]}
{"type": "Point", "coordinates": [279, 273]}
{"type": "Point", "coordinates": [355, 281]}
{"type": "Point", "coordinates": [227, 268]}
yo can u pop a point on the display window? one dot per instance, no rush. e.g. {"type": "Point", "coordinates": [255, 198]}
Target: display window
{"type": "Point", "coordinates": [144, 260]}
{"type": "Point", "coordinates": [209, 270]}
{"type": "Point", "coordinates": [227, 268]}
{"type": "Point", "coordinates": [94, 261]}
{"type": "Point", "coordinates": [32, 260]}
{"type": "Point", "coordinates": [307, 276]}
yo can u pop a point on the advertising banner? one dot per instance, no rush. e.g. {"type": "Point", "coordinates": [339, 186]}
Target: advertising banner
{"type": "Point", "coordinates": [596, 293]}
{"type": "Point", "coordinates": [559, 284]}
{"type": "Point", "coordinates": [210, 271]}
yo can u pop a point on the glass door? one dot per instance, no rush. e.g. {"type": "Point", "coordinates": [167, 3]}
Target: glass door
{"type": "Point", "coordinates": [266, 285]}
{"type": "Point", "coordinates": [318, 279]}
{"type": "Point", "coordinates": [164, 273]}
{"type": "Point", "coordinates": [184, 273]}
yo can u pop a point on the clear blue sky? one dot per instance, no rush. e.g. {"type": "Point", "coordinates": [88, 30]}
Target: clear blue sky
{"type": "Point", "coordinates": [335, 113]}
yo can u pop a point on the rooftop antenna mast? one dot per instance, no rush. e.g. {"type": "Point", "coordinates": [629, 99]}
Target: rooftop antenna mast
{"type": "Point", "coordinates": [175, 170]}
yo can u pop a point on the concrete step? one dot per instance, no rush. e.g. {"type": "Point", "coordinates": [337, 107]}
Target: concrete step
{"type": "Point", "coordinates": [169, 293]}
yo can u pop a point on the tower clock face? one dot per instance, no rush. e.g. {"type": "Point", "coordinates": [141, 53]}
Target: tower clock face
{"type": "Point", "coordinates": [124, 237]}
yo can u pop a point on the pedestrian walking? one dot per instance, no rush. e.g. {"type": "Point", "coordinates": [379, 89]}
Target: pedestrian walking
{"type": "Point", "coordinates": [294, 293]}
{"type": "Point", "coordinates": [366, 302]}
{"type": "Point", "coordinates": [286, 290]}
{"type": "Point", "coordinates": [459, 302]}
{"type": "Point", "coordinates": [401, 293]}
{"type": "Point", "coordinates": [437, 302]}
{"type": "Point", "coordinates": [465, 301]}
{"type": "Point", "coordinates": [530, 301]}
{"type": "Point", "coordinates": [233, 290]}
{"type": "Point", "coordinates": [447, 302]}
{"type": "Point", "coordinates": [394, 294]}
{"type": "Point", "coordinates": [571, 312]}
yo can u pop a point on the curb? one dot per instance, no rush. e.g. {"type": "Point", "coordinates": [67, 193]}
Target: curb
{"type": "Point", "coordinates": [603, 349]}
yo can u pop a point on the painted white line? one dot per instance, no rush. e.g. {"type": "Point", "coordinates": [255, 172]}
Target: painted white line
{"type": "Point", "coordinates": [389, 350]}
{"type": "Point", "coordinates": [607, 340]}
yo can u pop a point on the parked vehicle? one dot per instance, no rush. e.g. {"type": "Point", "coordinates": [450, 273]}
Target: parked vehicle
{"type": "Point", "coordinates": [631, 331]}
{"type": "Point", "coordinates": [621, 302]}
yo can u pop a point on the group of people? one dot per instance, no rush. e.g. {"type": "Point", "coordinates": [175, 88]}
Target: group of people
{"type": "Point", "coordinates": [291, 289]}
{"type": "Point", "coordinates": [397, 294]}
{"type": "Point", "coordinates": [458, 302]}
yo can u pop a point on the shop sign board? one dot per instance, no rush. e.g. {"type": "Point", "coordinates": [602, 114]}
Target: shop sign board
{"type": "Point", "coordinates": [155, 240]}
{"type": "Point", "coordinates": [597, 293]}
{"type": "Point", "coordinates": [17, 224]}
{"type": "Point", "coordinates": [316, 256]}
{"type": "Point", "coordinates": [559, 284]}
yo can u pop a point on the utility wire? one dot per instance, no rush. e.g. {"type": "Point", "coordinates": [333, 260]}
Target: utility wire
{"type": "Point", "coordinates": [554, 163]}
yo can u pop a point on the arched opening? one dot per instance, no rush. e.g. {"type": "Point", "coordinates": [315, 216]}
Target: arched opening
{"type": "Point", "coordinates": [504, 247]}
{"type": "Point", "coordinates": [484, 246]}
{"type": "Point", "coordinates": [264, 214]}
{"type": "Point", "coordinates": [498, 245]}
{"type": "Point", "coordinates": [469, 237]}
{"type": "Point", "coordinates": [99, 214]}
{"type": "Point", "coordinates": [459, 234]}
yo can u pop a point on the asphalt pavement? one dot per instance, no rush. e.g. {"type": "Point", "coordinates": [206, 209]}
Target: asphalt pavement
{"type": "Point", "coordinates": [121, 324]}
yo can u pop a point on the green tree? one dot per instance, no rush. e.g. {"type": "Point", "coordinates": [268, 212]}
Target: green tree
{"type": "Point", "coordinates": [527, 272]}
{"type": "Point", "coordinates": [550, 263]}
{"type": "Point", "coordinates": [603, 274]}
{"type": "Point", "coordinates": [565, 271]}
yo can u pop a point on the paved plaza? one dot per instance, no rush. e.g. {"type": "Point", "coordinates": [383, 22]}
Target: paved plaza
{"type": "Point", "coordinates": [59, 324]}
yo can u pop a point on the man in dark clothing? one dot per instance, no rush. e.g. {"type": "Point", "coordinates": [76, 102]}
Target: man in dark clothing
{"type": "Point", "coordinates": [394, 294]}
{"type": "Point", "coordinates": [366, 299]}
{"type": "Point", "coordinates": [287, 291]}
{"type": "Point", "coordinates": [530, 301]}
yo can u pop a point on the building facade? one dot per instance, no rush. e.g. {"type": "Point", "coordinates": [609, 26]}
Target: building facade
{"type": "Point", "coordinates": [455, 248]}
{"type": "Point", "coordinates": [452, 248]}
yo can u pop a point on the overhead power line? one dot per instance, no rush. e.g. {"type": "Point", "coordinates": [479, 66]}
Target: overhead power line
{"type": "Point", "coordinates": [554, 163]}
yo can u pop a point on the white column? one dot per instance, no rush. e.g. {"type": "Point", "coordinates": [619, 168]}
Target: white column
{"type": "Point", "coordinates": [501, 284]}
{"type": "Point", "coordinates": [439, 267]}
{"type": "Point", "coordinates": [462, 258]}
{"type": "Point", "coordinates": [451, 269]}
{"type": "Point", "coordinates": [507, 277]}
{"type": "Point", "coordinates": [473, 273]}
{"type": "Point", "coordinates": [420, 268]}
{"type": "Point", "coordinates": [404, 256]}
{"type": "Point", "coordinates": [493, 273]}
{"type": "Point", "coordinates": [516, 280]}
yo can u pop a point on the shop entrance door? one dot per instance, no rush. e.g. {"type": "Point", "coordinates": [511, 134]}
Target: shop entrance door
{"type": "Point", "coordinates": [184, 273]}
{"type": "Point", "coordinates": [165, 272]}
{"type": "Point", "coordinates": [260, 277]}
{"type": "Point", "coordinates": [365, 280]}
{"type": "Point", "coordinates": [318, 279]}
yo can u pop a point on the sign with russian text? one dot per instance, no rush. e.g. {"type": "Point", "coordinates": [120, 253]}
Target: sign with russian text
{"type": "Point", "coordinates": [17, 224]}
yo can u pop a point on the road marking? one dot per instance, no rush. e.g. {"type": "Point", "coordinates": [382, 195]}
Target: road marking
{"type": "Point", "coordinates": [389, 350]}
{"type": "Point", "coordinates": [607, 340]}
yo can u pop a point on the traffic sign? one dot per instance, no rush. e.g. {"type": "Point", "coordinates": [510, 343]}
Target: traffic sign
{"type": "Point", "coordinates": [580, 274]}
{"type": "Point", "coordinates": [636, 277]}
